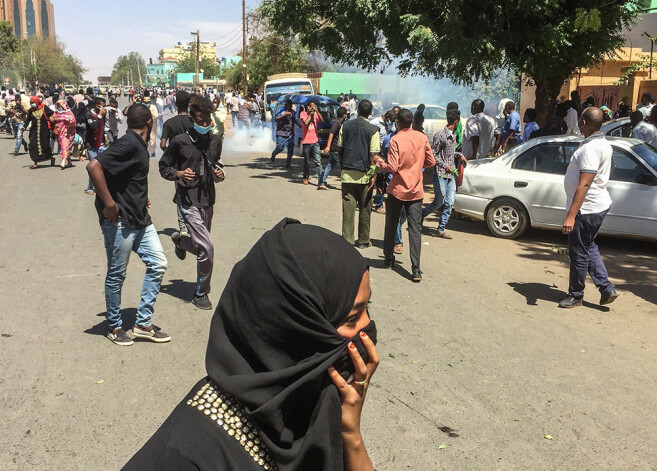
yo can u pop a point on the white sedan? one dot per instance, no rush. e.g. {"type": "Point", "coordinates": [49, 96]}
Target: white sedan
{"type": "Point", "coordinates": [524, 188]}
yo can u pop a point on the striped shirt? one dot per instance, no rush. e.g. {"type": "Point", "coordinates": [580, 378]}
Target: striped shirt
{"type": "Point", "coordinates": [444, 149]}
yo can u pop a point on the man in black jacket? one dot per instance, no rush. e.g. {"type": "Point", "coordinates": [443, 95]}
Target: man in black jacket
{"type": "Point", "coordinates": [358, 141]}
{"type": "Point", "coordinates": [187, 162]}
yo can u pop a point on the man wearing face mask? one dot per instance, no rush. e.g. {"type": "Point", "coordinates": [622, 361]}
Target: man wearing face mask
{"type": "Point", "coordinates": [95, 136]}
{"type": "Point", "coordinates": [188, 162]}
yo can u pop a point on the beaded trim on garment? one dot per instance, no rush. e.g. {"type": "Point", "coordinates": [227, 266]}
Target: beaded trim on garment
{"type": "Point", "coordinates": [229, 414]}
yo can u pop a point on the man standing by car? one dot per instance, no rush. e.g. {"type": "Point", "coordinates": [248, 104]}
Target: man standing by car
{"type": "Point", "coordinates": [478, 133]}
{"type": "Point", "coordinates": [358, 141]}
{"type": "Point", "coordinates": [588, 203]}
{"type": "Point", "coordinates": [310, 119]}
{"type": "Point", "coordinates": [641, 129]}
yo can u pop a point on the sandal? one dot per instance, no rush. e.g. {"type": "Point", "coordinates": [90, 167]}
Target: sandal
{"type": "Point", "coordinates": [32, 167]}
{"type": "Point", "coordinates": [443, 235]}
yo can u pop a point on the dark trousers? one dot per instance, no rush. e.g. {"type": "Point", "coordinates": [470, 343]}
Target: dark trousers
{"type": "Point", "coordinates": [585, 256]}
{"type": "Point", "coordinates": [355, 195]}
{"type": "Point", "coordinates": [414, 216]}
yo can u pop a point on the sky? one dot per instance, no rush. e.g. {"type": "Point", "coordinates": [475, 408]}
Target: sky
{"type": "Point", "coordinates": [98, 32]}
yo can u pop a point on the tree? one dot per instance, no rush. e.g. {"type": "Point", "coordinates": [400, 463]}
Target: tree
{"type": "Point", "coordinates": [464, 40]}
{"type": "Point", "coordinates": [44, 61]}
{"type": "Point", "coordinates": [10, 44]}
{"type": "Point", "coordinates": [187, 65]}
{"type": "Point", "coordinates": [126, 69]}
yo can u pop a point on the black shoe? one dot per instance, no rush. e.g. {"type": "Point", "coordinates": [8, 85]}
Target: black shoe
{"type": "Point", "coordinates": [202, 302]}
{"type": "Point", "coordinates": [119, 337]}
{"type": "Point", "coordinates": [272, 158]}
{"type": "Point", "coordinates": [389, 263]}
{"type": "Point", "coordinates": [180, 252]}
{"type": "Point", "coordinates": [417, 275]}
{"type": "Point", "coordinates": [571, 302]}
{"type": "Point", "coordinates": [608, 298]}
{"type": "Point", "coordinates": [363, 246]}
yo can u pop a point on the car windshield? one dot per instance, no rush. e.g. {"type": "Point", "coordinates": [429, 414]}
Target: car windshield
{"type": "Point", "coordinates": [648, 153]}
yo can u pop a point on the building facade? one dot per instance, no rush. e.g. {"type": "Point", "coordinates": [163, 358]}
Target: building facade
{"type": "Point", "coordinates": [29, 17]}
{"type": "Point", "coordinates": [180, 51]}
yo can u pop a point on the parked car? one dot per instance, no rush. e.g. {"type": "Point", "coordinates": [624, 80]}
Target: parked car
{"type": "Point", "coordinates": [69, 89]}
{"type": "Point", "coordinates": [328, 108]}
{"type": "Point", "coordinates": [524, 188]}
{"type": "Point", "coordinates": [435, 118]}
{"type": "Point", "coordinates": [620, 127]}
{"type": "Point", "coordinates": [126, 90]}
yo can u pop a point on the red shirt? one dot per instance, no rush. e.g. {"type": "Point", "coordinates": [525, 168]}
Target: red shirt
{"type": "Point", "coordinates": [309, 132]}
{"type": "Point", "coordinates": [408, 154]}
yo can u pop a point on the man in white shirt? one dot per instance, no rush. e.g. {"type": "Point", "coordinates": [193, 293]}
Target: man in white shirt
{"type": "Point", "coordinates": [588, 202]}
{"type": "Point", "coordinates": [646, 105]}
{"type": "Point", "coordinates": [478, 133]}
{"type": "Point", "coordinates": [642, 129]}
{"type": "Point", "coordinates": [572, 119]}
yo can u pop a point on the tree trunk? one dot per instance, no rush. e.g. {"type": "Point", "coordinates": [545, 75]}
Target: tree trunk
{"type": "Point", "coordinates": [547, 92]}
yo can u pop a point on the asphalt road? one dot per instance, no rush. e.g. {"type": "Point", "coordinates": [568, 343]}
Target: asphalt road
{"type": "Point", "coordinates": [478, 363]}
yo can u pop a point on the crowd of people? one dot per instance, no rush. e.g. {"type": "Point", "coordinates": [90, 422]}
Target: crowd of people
{"type": "Point", "coordinates": [382, 160]}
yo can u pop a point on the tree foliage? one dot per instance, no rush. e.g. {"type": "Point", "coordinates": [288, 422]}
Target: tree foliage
{"type": "Point", "coordinates": [38, 60]}
{"type": "Point", "coordinates": [464, 40]}
{"type": "Point", "coordinates": [127, 65]}
{"type": "Point", "coordinates": [187, 65]}
{"type": "Point", "coordinates": [269, 54]}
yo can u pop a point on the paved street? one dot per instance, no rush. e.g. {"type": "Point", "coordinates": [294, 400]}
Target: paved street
{"type": "Point", "coordinates": [478, 364]}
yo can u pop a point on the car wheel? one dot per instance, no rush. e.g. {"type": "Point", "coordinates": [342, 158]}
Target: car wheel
{"type": "Point", "coordinates": [507, 218]}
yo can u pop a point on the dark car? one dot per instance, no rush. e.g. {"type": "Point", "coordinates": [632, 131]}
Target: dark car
{"type": "Point", "coordinates": [328, 108]}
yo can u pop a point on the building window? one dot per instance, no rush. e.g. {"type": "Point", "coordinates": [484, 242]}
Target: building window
{"type": "Point", "coordinates": [17, 19]}
{"type": "Point", "coordinates": [45, 26]}
{"type": "Point", "coordinates": [30, 20]}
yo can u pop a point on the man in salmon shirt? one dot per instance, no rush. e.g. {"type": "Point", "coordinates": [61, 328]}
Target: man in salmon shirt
{"type": "Point", "coordinates": [408, 154]}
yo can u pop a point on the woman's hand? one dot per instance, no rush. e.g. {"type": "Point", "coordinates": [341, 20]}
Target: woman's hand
{"type": "Point", "coordinates": [352, 395]}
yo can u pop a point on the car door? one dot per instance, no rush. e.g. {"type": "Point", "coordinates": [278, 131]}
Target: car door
{"type": "Point", "coordinates": [536, 179]}
{"type": "Point", "coordinates": [634, 205]}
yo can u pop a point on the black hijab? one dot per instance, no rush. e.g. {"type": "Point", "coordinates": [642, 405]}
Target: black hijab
{"type": "Point", "coordinates": [273, 336]}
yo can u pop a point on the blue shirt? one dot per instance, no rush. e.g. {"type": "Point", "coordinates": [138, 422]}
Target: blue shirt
{"type": "Point", "coordinates": [529, 129]}
{"type": "Point", "coordinates": [512, 124]}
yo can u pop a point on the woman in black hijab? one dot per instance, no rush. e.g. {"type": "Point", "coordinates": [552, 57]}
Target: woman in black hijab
{"type": "Point", "coordinates": [289, 359]}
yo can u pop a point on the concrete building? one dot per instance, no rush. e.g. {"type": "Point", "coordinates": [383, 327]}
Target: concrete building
{"type": "Point", "coordinates": [29, 17]}
{"type": "Point", "coordinates": [180, 51]}
{"type": "Point", "coordinates": [606, 82]}
{"type": "Point", "coordinates": [162, 73]}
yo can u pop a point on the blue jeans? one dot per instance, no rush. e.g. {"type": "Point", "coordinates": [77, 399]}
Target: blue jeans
{"type": "Point", "coordinates": [281, 143]}
{"type": "Point", "coordinates": [398, 233]}
{"type": "Point", "coordinates": [233, 117]}
{"type": "Point", "coordinates": [444, 192]}
{"type": "Point", "coordinates": [317, 157]}
{"type": "Point", "coordinates": [333, 162]}
{"type": "Point", "coordinates": [585, 256]}
{"type": "Point", "coordinates": [92, 153]}
{"type": "Point", "coordinates": [119, 243]}
{"type": "Point", "coordinates": [17, 128]}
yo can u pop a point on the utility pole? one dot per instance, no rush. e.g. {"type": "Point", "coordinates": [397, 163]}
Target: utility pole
{"type": "Point", "coordinates": [141, 84]}
{"type": "Point", "coordinates": [244, 81]}
{"type": "Point", "coordinates": [197, 48]}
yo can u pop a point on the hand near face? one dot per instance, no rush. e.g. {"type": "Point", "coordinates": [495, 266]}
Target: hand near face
{"type": "Point", "coordinates": [352, 395]}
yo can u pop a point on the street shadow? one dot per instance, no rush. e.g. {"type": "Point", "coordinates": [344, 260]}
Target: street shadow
{"type": "Point", "coordinates": [268, 170]}
{"type": "Point", "coordinates": [167, 231]}
{"type": "Point", "coordinates": [535, 291]}
{"type": "Point", "coordinates": [631, 264]}
{"type": "Point", "coordinates": [180, 289]}
{"type": "Point", "coordinates": [378, 243]}
{"type": "Point", "coordinates": [129, 317]}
